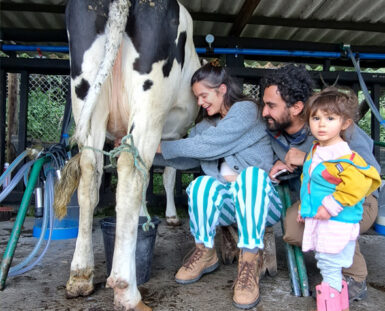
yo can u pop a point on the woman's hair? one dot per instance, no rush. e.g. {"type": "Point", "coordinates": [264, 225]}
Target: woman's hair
{"type": "Point", "coordinates": [212, 77]}
{"type": "Point", "coordinates": [340, 101]}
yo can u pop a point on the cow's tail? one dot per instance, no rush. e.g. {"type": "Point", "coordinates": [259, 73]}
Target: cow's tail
{"type": "Point", "coordinates": [66, 186]}
{"type": "Point", "coordinates": [116, 24]}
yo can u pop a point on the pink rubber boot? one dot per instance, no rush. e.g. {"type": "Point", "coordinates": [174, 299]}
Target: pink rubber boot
{"type": "Point", "coordinates": [328, 298]}
{"type": "Point", "coordinates": [344, 296]}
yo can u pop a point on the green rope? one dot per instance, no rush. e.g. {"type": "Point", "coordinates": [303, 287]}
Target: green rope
{"type": "Point", "coordinates": [127, 145]}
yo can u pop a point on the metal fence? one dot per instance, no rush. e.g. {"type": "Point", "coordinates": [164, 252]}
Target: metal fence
{"type": "Point", "coordinates": [46, 102]}
{"type": "Point", "coordinates": [251, 90]}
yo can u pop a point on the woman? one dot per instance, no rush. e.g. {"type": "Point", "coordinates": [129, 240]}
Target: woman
{"type": "Point", "coordinates": [231, 145]}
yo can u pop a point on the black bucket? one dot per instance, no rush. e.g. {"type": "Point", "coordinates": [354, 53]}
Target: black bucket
{"type": "Point", "coordinates": [144, 246]}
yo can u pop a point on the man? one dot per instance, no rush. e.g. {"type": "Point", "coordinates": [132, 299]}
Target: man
{"type": "Point", "coordinates": [284, 93]}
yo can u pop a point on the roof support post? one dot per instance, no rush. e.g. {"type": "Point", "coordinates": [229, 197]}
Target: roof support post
{"type": "Point", "coordinates": [3, 96]}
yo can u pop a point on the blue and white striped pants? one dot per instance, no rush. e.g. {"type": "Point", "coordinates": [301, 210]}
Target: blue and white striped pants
{"type": "Point", "coordinates": [251, 201]}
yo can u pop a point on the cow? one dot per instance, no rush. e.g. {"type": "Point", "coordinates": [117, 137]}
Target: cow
{"type": "Point", "coordinates": [131, 64]}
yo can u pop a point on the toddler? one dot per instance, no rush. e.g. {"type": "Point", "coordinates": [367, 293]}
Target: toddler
{"type": "Point", "coordinates": [335, 181]}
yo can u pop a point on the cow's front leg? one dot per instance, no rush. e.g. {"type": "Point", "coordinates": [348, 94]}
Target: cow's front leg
{"type": "Point", "coordinates": [128, 200]}
{"type": "Point", "coordinates": [172, 218]}
{"type": "Point", "coordinates": [80, 282]}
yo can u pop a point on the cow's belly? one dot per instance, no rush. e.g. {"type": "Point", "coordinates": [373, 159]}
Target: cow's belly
{"type": "Point", "coordinates": [179, 120]}
{"type": "Point", "coordinates": [169, 96]}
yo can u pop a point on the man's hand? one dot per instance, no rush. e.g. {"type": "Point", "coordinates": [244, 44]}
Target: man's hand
{"type": "Point", "coordinates": [322, 214]}
{"type": "Point", "coordinates": [294, 158]}
{"type": "Point", "coordinates": [278, 166]}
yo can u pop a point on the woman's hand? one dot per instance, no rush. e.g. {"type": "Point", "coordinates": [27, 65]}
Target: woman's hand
{"type": "Point", "coordinates": [322, 214]}
{"type": "Point", "coordinates": [230, 178]}
{"type": "Point", "coordinates": [159, 149]}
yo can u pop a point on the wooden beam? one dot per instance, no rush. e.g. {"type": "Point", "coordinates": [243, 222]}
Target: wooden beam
{"type": "Point", "coordinates": [33, 35]}
{"type": "Point", "coordinates": [213, 17]}
{"type": "Point", "coordinates": [32, 7]}
{"type": "Point", "coordinates": [23, 112]}
{"type": "Point", "coordinates": [243, 17]}
{"type": "Point", "coordinates": [35, 65]}
{"type": "Point", "coordinates": [3, 98]}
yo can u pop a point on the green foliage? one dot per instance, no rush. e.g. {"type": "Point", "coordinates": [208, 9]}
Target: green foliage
{"type": "Point", "coordinates": [187, 179]}
{"type": "Point", "coordinates": [365, 124]}
{"type": "Point", "coordinates": [158, 182]}
{"type": "Point", "coordinates": [46, 103]}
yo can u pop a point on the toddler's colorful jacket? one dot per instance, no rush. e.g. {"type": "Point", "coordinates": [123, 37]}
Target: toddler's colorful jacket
{"type": "Point", "coordinates": [349, 179]}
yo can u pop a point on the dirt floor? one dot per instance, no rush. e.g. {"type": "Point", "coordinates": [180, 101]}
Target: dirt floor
{"type": "Point", "coordinates": [43, 288]}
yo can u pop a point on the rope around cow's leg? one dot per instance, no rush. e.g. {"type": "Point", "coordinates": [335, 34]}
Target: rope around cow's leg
{"type": "Point", "coordinates": [128, 145]}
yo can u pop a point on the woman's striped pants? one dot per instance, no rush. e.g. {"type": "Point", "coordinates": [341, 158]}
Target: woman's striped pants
{"type": "Point", "coordinates": [251, 201]}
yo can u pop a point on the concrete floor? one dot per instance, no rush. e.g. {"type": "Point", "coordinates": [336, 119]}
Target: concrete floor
{"type": "Point", "coordinates": [43, 288]}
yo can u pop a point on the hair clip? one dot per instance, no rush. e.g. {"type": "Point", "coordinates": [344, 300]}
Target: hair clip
{"type": "Point", "coordinates": [215, 62]}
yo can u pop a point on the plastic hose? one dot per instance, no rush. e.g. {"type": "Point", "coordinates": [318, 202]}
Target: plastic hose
{"type": "Point", "coordinates": [15, 180]}
{"type": "Point", "coordinates": [12, 166]}
{"type": "Point", "coordinates": [15, 270]}
{"type": "Point", "coordinates": [15, 234]}
{"type": "Point", "coordinates": [48, 205]}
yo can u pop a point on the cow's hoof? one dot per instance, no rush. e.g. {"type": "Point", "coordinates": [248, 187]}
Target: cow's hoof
{"type": "Point", "coordinates": [139, 307]}
{"type": "Point", "coordinates": [173, 221]}
{"type": "Point", "coordinates": [80, 283]}
{"type": "Point", "coordinates": [142, 307]}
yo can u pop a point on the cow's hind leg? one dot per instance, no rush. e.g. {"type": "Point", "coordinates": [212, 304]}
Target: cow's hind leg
{"type": "Point", "coordinates": [128, 201]}
{"type": "Point", "coordinates": [80, 282]}
{"type": "Point", "coordinates": [172, 218]}
{"type": "Point", "coordinates": [146, 136]}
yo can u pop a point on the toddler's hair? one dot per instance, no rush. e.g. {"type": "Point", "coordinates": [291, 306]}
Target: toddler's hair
{"type": "Point", "coordinates": [340, 101]}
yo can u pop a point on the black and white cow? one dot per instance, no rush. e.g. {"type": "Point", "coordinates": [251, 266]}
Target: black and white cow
{"type": "Point", "coordinates": [131, 64]}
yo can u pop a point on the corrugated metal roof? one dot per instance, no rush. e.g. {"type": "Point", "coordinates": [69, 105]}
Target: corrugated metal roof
{"type": "Point", "coordinates": [347, 11]}
{"type": "Point", "coordinates": [268, 19]}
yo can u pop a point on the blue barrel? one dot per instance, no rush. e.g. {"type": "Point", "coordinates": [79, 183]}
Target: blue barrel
{"type": "Point", "coordinates": [67, 228]}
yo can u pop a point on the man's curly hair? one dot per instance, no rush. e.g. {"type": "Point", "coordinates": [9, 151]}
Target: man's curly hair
{"type": "Point", "coordinates": [293, 81]}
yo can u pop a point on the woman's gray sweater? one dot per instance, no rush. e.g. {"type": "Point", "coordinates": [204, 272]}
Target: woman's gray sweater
{"type": "Point", "coordinates": [240, 138]}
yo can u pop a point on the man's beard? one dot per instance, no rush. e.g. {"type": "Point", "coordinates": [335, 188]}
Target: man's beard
{"type": "Point", "coordinates": [278, 125]}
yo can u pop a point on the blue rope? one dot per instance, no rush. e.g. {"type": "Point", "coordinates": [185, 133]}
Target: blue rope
{"type": "Point", "coordinates": [127, 145]}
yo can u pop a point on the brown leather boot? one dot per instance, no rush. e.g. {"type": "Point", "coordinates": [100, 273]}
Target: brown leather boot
{"type": "Point", "coordinates": [203, 260]}
{"type": "Point", "coordinates": [246, 286]}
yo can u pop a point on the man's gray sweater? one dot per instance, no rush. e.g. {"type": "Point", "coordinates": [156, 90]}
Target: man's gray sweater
{"type": "Point", "coordinates": [239, 138]}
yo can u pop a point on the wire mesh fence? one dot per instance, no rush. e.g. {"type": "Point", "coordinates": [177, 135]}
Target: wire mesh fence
{"type": "Point", "coordinates": [251, 90]}
{"type": "Point", "coordinates": [47, 96]}
{"type": "Point", "coordinates": [46, 102]}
